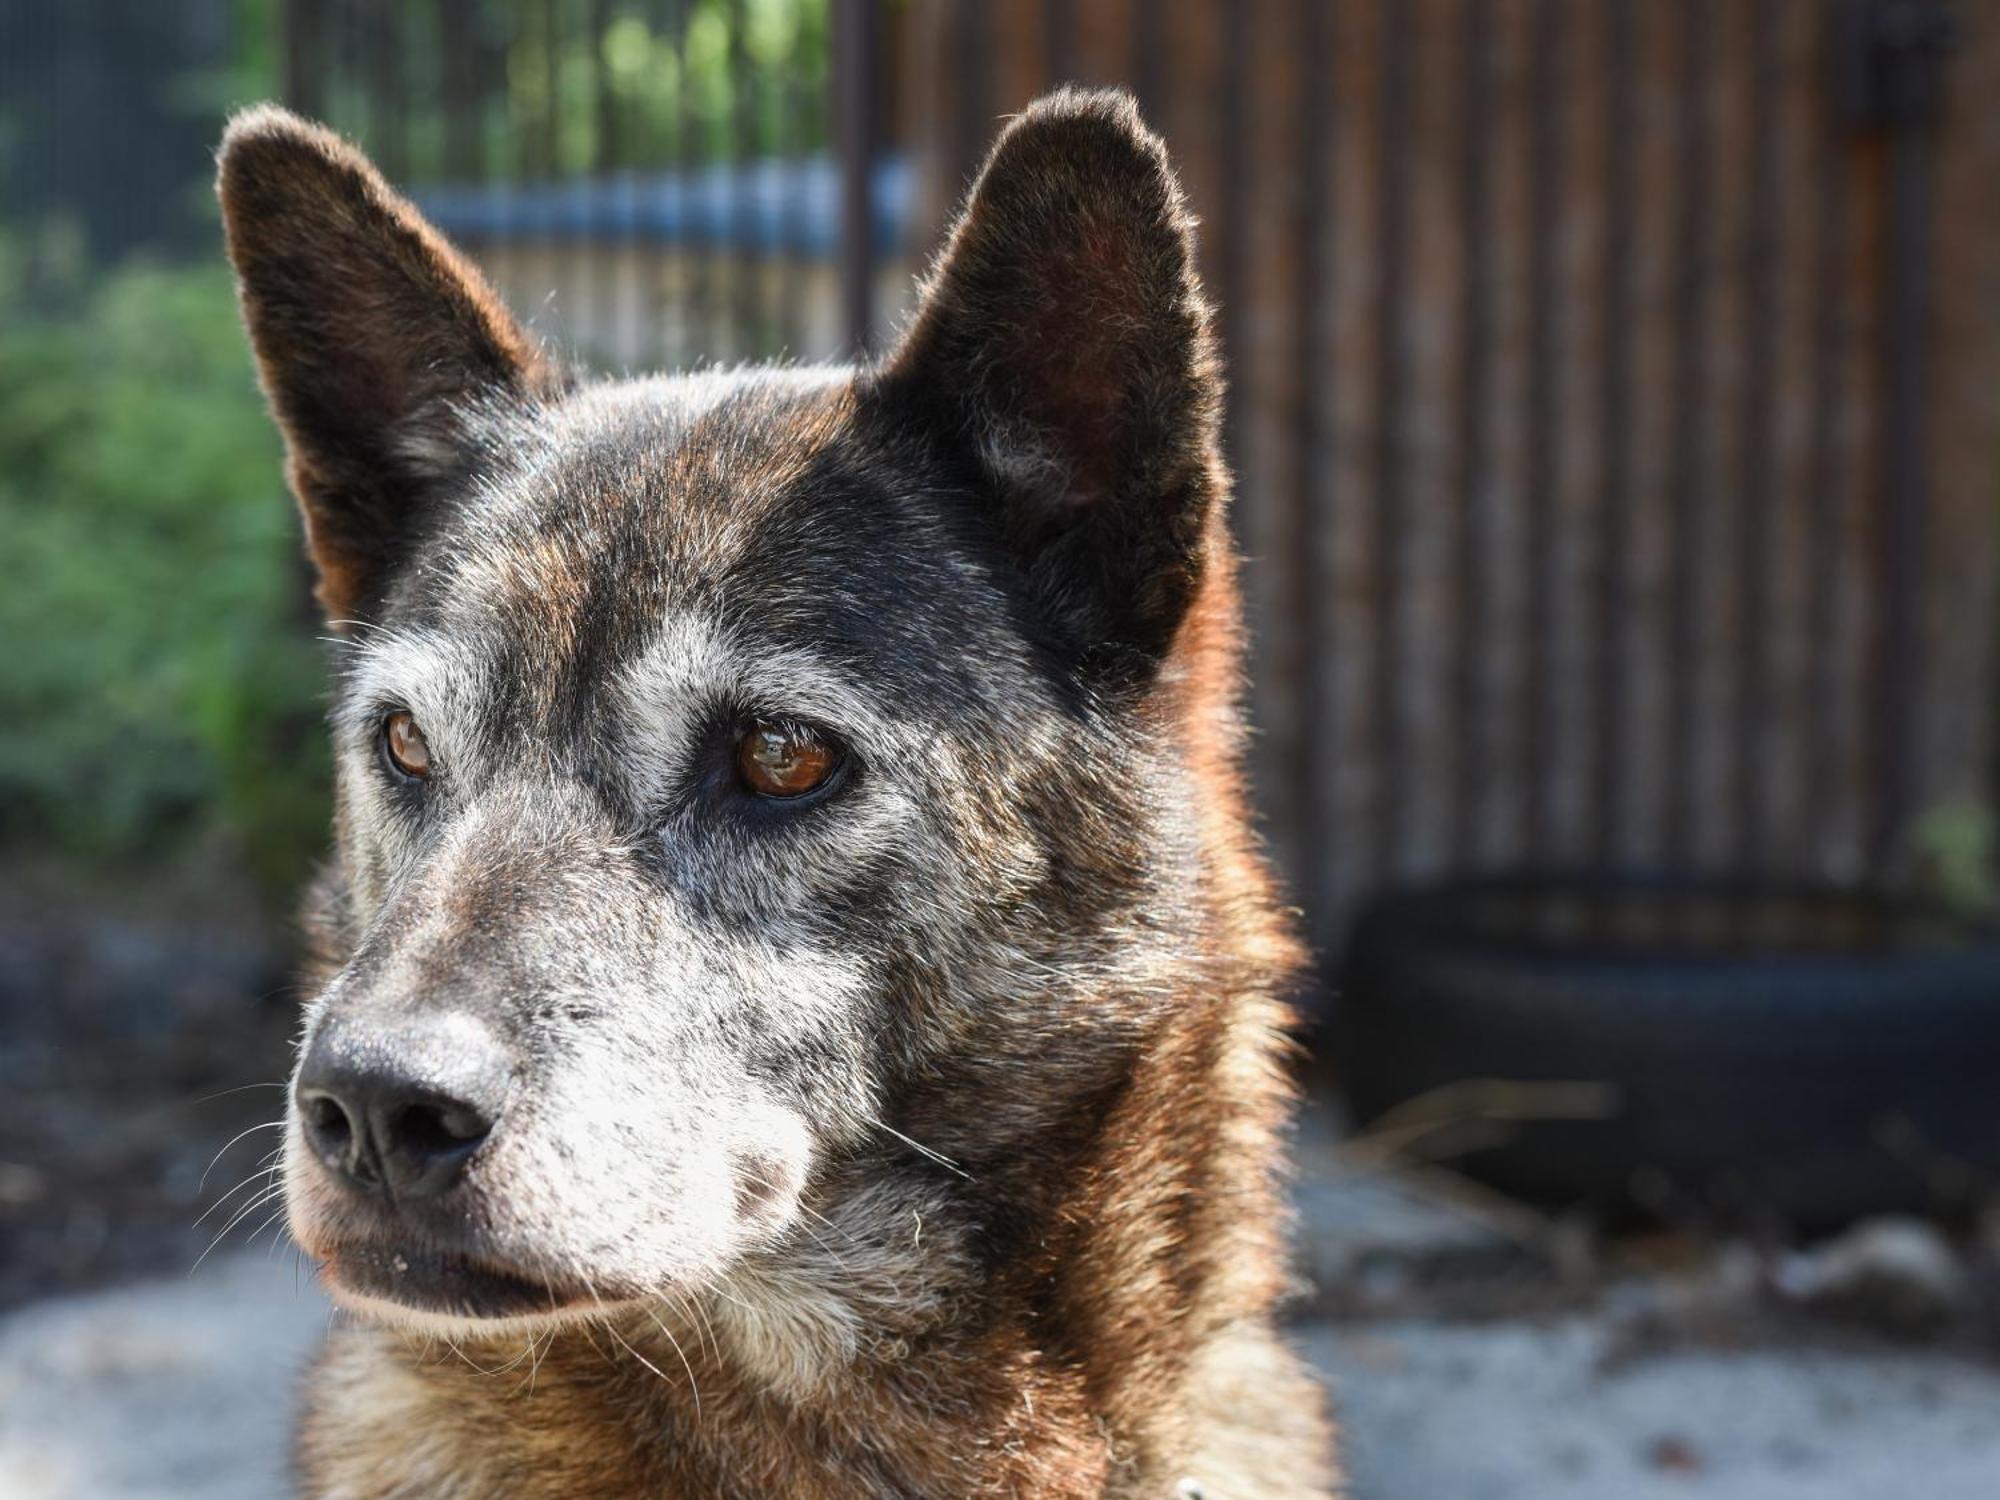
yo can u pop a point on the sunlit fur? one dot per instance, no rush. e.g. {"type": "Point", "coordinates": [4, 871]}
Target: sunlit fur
{"type": "Point", "coordinates": [925, 1139]}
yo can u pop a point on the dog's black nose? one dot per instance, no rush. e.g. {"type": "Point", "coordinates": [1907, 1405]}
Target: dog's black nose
{"type": "Point", "coordinates": [401, 1110]}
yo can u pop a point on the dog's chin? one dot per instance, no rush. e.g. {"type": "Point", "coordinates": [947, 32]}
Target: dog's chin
{"type": "Point", "coordinates": [457, 1296]}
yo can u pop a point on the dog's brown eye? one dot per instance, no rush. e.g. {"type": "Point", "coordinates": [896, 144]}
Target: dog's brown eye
{"type": "Point", "coordinates": [784, 760]}
{"type": "Point", "coordinates": [406, 744]}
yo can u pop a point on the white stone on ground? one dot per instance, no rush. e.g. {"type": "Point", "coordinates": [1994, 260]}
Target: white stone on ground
{"type": "Point", "coordinates": [1506, 1411]}
{"type": "Point", "coordinates": [179, 1389]}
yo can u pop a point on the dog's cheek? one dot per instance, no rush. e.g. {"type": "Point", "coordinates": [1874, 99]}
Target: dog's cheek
{"type": "Point", "coordinates": [786, 1015]}
{"type": "Point", "coordinates": [680, 1078]}
{"type": "Point", "coordinates": [640, 1178]}
{"type": "Point", "coordinates": [374, 841]}
{"type": "Point", "coordinates": [603, 1182]}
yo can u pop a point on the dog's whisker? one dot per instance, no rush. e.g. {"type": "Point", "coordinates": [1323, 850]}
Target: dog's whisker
{"type": "Point", "coordinates": [537, 1347]}
{"type": "Point", "coordinates": [251, 1207]}
{"type": "Point", "coordinates": [590, 1338]}
{"type": "Point", "coordinates": [694, 1386]}
{"type": "Point", "coordinates": [706, 1315]}
{"type": "Point", "coordinates": [718, 1287]}
{"type": "Point", "coordinates": [512, 1364]}
{"type": "Point", "coordinates": [263, 1125]}
{"type": "Point", "coordinates": [243, 1211]}
{"type": "Point", "coordinates": [839, 1261]}
{"type": "Point", "coordinates": [687, 1306]}
{"type": "Point", "coordinates": [279, 1234]}
{"type": "Point", "coordinates": [921, 1149]}
{"type": "Point", "coordinates": [275, 1221]}
{"type": "Point", "coordinates": [241, 1088]}
{"type": "Point", "coordinates": [259, 1174]}
{"type": "Point", "coordinates": [649, 1364]}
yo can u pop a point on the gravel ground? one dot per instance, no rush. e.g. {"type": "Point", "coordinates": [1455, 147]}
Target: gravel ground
{"type": "Point", "coordinates": [176, 1389]}
{"type": "Point", "coordinates": [1502, 1412]}
{"type": "Point", "coordinates": [180, 1390]}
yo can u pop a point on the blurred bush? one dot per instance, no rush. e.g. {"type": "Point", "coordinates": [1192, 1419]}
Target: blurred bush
{"type": "Point", "coordinates": [159, 680]}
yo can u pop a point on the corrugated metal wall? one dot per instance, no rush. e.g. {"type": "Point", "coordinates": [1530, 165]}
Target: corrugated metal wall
{"type": "Point", "coordinates": [1613, 408]}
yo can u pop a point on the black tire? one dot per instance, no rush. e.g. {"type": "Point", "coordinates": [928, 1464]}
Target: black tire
{"type": "Point", "coordinates": [1814, 1053]}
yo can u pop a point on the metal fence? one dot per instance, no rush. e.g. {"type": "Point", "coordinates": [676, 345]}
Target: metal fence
{"type": "Point", "coordinates": [1591, 382]}
{"type": "Point", "coordinates": [652, 184]}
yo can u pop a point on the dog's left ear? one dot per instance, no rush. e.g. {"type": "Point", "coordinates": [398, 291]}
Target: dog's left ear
{"type": "Point", "coordinates": [374, 338]}
{"type": "Point", "coordinates": [1062, 348]}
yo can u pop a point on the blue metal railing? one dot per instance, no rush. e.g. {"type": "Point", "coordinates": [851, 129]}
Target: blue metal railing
{"type": "Point", "coordinates": [760, 208]}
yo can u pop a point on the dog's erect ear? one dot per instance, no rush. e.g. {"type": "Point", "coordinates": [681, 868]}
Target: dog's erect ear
{"type": "Point", "coordinates": [373, 336]}
{"type": "Point", "coordinates": [1063, 343]}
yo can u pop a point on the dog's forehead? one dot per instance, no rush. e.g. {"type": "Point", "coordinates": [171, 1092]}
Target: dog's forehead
{"type": "Point", "coordinates": [642, 487]}
{"type": "Point", "coordinates": [645, 520]}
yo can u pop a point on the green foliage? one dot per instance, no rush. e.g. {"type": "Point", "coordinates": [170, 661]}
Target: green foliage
{"type": "Point", "coordinates": [159, 681]}
{"type": "Point", "coordinates": [708, 81]}
{"type": "Point", "coordinates": [1954, 844]}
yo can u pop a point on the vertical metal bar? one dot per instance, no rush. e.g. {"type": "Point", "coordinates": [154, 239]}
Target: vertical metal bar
{"type": "Point", "coordinates": [1756, 489]}
{"type": "Point", "coordinates": [691, 248]}
{"type": "Point", "coordinates": [423, 93]}
{"type": "Point", "coordinates": [1391, 380]}
{"type": "Point", "coordinates": [1312, 517]}
{"type": "Point", "coordinates": [972, 65]}
{"type": "Point", "coordinates": [1614, 561]}
{"type": "Point", "coordinates": [1059, 40]}
{"type": "Point", "coordinates": [1148, 59]}
{"type": "Point", "coordinates": [856, 38]}
{"type": "Point", "coordinates": [353, 63]}
{"type": "Point", "coordinates": [305, 56]}
{"type": "Point", "coordinates": [655, 245]}
{"type": "Point", "coordinates": [513, 156]}
{"type": "Point", "coordinates": [597, 290]}
{"type": "Point", "coordinates": [746, 256]}
{"type": "Point", "coordinates": [1470, 780]}
{"type": "Point", "coordinates": [1233, 244]}
{"type": "Point", "coordinates": [1904, 478]}
{"type": "Point", "coordinates": [551, 31]}
{"type": "Point", "coordinates": [464, 140]}
{"type": "Point", "coordinates": [388, 117]}
{"type": "Point", "coordinates": [791, 152]}
{"type": "Point", "coordinates": [1544, 426]}
{"type": "Point", "coordinates": [1689, 433]}
{"type": "Point", "coordinates": [550, 12]}
{"type": "Point", "coordinates": [1828, 489]}
{"type": "Point", "coordinates": [608, 146]}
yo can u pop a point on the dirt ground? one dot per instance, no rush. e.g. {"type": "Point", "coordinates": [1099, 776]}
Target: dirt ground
{"type": "Point", "coordinates": [131, 1053]}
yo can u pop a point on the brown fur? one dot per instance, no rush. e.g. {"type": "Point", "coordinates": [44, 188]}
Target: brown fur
{"type": "Point", "coordinates": [1083, 1304]}
{"type": "Point", "coordinates": [307, 208]}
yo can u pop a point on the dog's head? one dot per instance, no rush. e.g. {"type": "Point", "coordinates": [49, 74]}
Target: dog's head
{"type": "Point", "coordinates": [726, 761]}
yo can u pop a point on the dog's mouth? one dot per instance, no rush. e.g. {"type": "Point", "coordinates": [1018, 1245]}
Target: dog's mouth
{"type": "Point", "coordinates": [443, 1283]}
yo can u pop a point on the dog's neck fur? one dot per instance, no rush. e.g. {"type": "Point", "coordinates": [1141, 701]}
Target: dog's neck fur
{"type": "Point", "coordinates": [1087, 1318]}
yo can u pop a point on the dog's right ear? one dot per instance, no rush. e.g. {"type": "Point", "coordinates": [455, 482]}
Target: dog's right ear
{"type": "Point", "coordinates": [1061, 344]}
{"type": "Point", "coordinates": [374, 339]}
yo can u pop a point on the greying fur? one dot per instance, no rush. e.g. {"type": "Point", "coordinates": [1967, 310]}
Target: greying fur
{"type": "Point", "coordinates": [921, 1141]}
